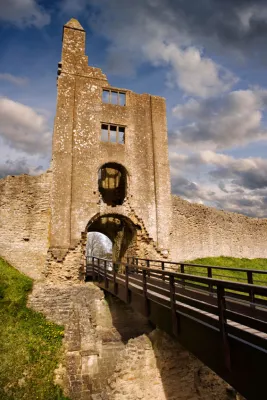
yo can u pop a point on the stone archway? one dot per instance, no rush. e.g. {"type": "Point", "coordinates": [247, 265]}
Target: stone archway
{"type": "Point", "coordinates": [120, 230]}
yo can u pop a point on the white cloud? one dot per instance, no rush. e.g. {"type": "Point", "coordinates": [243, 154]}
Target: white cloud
{"type": "Point", "coordinates": [191, 71]}
{"type": "Point", "coordinates": [24, 129]}
{"type": "Point", "coordinates": [145, 36]}
{"type": "Point", "coordinates": [17, 80]}
{"type": "Point", "coordinates": [232, 120]}
{"type": "Point", "coordinates": [23, 13]}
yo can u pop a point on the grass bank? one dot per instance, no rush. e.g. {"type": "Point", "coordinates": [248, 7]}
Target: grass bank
{"type": "Point", "coordinates": [257, 263]}
{"type": "Point", "coordinates": [30, 346]}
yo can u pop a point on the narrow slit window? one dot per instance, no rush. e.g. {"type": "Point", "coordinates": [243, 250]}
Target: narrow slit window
{"type": "Point", "coordinates": [122, 99]}
{"type": "Point", "coordinates": [104, 133]}
{"type": "Point", "coordinates": [105, 96]}
{"type": "Point", "coordinates": [112, 133]}
{"type": "Point", "coordinates": [121, 135]}
{"type": "Point", "coordinates": [114, 97]}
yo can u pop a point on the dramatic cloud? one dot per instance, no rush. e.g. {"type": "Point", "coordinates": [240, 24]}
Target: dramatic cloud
{"type": "Point", "coordinates": [238, 185]}
{"type": "Point", "coordinates": [138, 34]}
{"type": "Point", "coordinates": [232, 120]}
{"type": "Point", "coordinates": [17, 167]}
{"type": "Point", "coordinates": [16, 80]}
{"type": "Point", "coordinates": [221, 26]}
{"type": "Point", "coordinates": [190, 70]}
{"type": "Point", "coordinates": [22, 128]}
{"type": "Point", "coordinates": [250, 173]}
{"type": "Point", "coordinates": [238, 25]}
{"type": "Point", "coordinates": [23, 13]}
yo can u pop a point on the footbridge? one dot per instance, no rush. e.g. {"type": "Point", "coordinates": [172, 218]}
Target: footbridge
{"type": "Point", "coordinates": [222, 322]}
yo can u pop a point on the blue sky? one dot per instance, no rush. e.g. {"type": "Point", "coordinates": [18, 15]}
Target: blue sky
{"type": "Point", "coordinates": [207, 58]}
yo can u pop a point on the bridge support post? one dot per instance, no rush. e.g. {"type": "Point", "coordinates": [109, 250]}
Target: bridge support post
{"type": "Point", "coordinates": [105, 274]}
{"type": "Point", "coordinates": [93, 269]}
{"type": "Point", "coordinates": [148, 266]}
{"type": "Point", "coordinates": [127, 293]}
{"type": "Point", "coordinates": [209, 270]}
{"type": "Point", "coordinates": [115, 284]}
{"type": "Point", "coordinates": [182, 272]}
{"type": "Point", "coordinates": [98, 270]}
{"type": "Point", "coordinates": [163, 268]}
{"type": "Point", "coordinates": [175, 318]}
{"type": "Point", "coordinates": [251, 294]}
{"type": "Point", "coordinates": [146, 302]}
{"type": "Point", "coordinates": [222, 325]}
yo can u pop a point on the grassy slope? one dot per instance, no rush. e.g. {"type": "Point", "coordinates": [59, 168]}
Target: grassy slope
{"type": "Point", "coordinates": [257, 263]}
{"type": "Point", "coordinates": [29, 344]}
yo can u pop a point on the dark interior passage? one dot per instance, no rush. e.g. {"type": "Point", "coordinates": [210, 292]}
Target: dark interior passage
{"type": "Point", "coordinates": [112, 183]}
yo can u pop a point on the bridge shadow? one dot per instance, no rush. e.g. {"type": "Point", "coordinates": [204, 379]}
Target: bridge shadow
{"type": "Point", "coordinates": [157, 363]}
{"type": "Point", "coordinates": [127, 322]}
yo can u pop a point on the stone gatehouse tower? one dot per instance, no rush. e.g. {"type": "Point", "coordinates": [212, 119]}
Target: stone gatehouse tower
{"type": "Point", "coordinates": [110, 161]}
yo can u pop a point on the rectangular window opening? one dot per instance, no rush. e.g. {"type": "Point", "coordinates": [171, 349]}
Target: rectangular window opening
{"type": "Point", "coordinates": [114, 97]}
{"type": "Point", "coordinates": [105, 96]}
{"type": "Point", "coordinates": [122, 99]}
{"type": "Point", "coordinates": [121, 135]}
{"type": "Point", "coordinates": [112, 133]}
{"type": "Point", "coordinates": [104, 133]}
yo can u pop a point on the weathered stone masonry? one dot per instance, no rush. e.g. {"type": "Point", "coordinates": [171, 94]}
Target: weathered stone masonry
{"type": "Point", "coordinates": [201, 231]}
{"type": "Point", "coordinates": [24, 221]}
{"type": "Point", "coordinates": [80, 153]}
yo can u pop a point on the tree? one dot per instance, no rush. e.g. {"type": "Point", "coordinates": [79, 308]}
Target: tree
{"type": "Point", "coordinates": [98, 245]}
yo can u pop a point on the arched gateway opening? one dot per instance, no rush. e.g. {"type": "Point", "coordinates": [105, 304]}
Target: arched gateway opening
{"type": "Point", "coordinates": [120, 230]}
{"type": "Point", "coordinates": [98, 245]}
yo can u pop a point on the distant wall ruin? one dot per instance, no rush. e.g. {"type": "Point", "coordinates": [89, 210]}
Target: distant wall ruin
{"type": "Point", "coordinates": [201, 231]}
{"type": "Point", "coordinates": [24, 221]}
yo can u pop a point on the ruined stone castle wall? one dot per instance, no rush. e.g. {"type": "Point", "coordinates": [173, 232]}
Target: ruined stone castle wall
{"type": "Point", "coordinates": [79, 151]}
{"type": "Point", "coordinates": [24, 221]}
{"type": "Point", "coordinates": [201, 231]}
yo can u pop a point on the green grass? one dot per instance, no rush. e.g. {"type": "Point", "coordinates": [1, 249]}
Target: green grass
{"type": "Point", "coordinates": [30, 346]}
{"type": "Point", "coordinates": [257, 263]}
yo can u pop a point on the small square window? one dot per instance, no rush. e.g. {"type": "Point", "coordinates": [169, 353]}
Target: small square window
{"type": "Point", "coordinates": [104, 133]}
{"type": "Point", "coordinates": [122, 99]}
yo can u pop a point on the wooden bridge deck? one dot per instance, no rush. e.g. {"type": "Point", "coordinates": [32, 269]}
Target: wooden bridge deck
{"type": "Point", "coordinates": [223, 323]}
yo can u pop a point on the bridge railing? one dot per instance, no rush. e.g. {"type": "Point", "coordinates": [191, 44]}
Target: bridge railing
{"type": "Point", "coordinates": [166, 283]}
{"type": "Point", "coordinates": [251, 276]}
{"type": "Point", "coordinates": [155, 267]}
{"type": "Point", "coordinates": [237, 311]}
